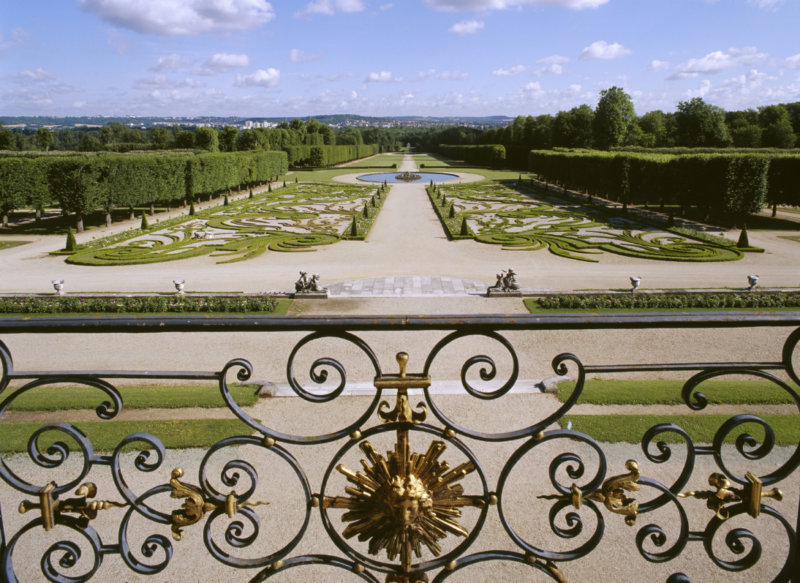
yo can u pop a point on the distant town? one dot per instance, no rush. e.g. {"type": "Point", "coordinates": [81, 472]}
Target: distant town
{"type": "Point", "coordinates": [338, 121]}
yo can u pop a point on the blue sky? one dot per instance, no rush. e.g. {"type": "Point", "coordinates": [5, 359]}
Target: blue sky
{"type": "Point", "coordinates": [379, 57]}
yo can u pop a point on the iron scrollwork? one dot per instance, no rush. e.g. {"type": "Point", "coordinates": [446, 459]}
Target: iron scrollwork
{"type": "Point", "coordinates": [407, 514]}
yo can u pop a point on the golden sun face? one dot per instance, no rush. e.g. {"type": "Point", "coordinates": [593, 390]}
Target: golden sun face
{"type": "Point", "coordinates": [404, 500]}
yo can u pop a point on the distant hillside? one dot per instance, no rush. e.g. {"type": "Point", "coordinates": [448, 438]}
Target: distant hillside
{"type": "Point", "coordinates": [35, 122]}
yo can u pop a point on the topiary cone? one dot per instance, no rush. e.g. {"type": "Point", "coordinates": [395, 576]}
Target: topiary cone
{"type": "Point", "coordinates": [464, 227]}
{"type": "Point", "coordinates": [144, 226]}
{"type": "Point", "coordinates": [191, 209]}
{"type": "Point", "coordinates": [452, 211]}
{"type": "Point", "coordinates": [744, 240]}
{"type": "Point", "coordinates": [354, 228]}
{"type": "Point", "coordinates": [71, 244]}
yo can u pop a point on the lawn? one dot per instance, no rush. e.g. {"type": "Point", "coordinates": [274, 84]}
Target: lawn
{"type": "Point", "coordinates": [106, 435]}
{"type": "Point", "coordinates": [57, 397]}
{"type": "Point", "coordinates": [701, 428]}
{"type": "Point", "coordinates": [10, 244]}
{"type": "Point", "coordinates": [668, 392]}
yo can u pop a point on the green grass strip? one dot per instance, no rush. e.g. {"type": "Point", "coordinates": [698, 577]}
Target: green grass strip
{"type": "Point", "coordinates": [701, 428]}
{"type": "Point", "coordinates": [106, 435]}
{"type": "Point", "coordinates": [55, 398]}
{"type": "Point", "coordinates": [9, 244]}
{"type": "Point", "coordinates": [668, 392]}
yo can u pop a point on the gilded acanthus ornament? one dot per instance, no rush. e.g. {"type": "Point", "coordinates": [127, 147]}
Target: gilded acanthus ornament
{"type": "Point", "coordinates": [52, 508]}
{"type": "Point", "coordinates": [612, 494]}
{"type": "Point", "coordinates": [195, 506]}
{"type": "Point", "coordinates": [725, 495]}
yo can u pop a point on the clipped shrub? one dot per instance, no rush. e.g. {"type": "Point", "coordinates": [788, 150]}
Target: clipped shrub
{"type": "Point", "coordinates": [192, 210]}
{"type": "Point", "coordinates": [251, 193]}
{"type": "Point", "coordinates": [744, 240]}
{"type": "Point", "coordinates": [225, 202]}
{"type": "Point", "coordinates": [452, 213]}
{"type": "Point", "coordinates": [71, 244]}
{"type": "Point", "coordinates": [144, 226]}
{"type": "Point", "coordinates": [464, 227]}
{"type": "Point", "coordinates": [354, 228]}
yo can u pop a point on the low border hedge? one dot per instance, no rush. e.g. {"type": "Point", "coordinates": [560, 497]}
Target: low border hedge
{"type": "Point", "coordinates": [76, 304]}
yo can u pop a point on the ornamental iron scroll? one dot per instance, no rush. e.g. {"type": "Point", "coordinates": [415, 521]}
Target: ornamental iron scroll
{"type": "Point", "coordinates": [415, 508]}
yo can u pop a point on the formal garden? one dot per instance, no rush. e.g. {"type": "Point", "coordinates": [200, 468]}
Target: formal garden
{"type": "Point", "coordinates": [521, 216]}
{"type": "Point", "coordinates": [296, 217]}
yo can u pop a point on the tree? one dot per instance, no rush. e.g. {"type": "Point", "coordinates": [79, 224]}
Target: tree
{"type": "Point", "coordinates": [6, 138]}
{"type": "Point", "coordinates": [613, 118]}
{"type": "Point", "coordinates": [778, 132]}
{"type": "Point", "coordinates": [207, 139]}
{"type": "Point", "coordinates": [158, 137]}
{"type": "Point", "coordinates": [44, 138]}
{"type": "Point", "coordinates": [701, 124]}
{"type": "Point", "coordinates": [744, 129]}
{"type": "Point", "coordinates": [655, 133]}
{"type": "Point", "coordinates": [89, 143]}
{"type": "Point", "coordinates": [227, 139]}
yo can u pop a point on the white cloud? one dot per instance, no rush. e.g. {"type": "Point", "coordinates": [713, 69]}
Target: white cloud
{"type": "Point", "coordinates": [224, 62]}
{"type": "Point", "coordinates": [532, 90]}
{"type": "Point", "coordinates": [385, 7]}
{"type": "Point", "coordinates": [181, 17]}
{"type": "Point", "coordinates": [298, 57]}
{"type": "Point", "coordinates": [330, 7]}
{"type": "Point", "coordinates": [768, 4]}
{"type": "Point", "coordinates": [18, 38]}
{"type": "Point", "coordinates": [441, 75]}
{"type": "Point", "coordinates": [552, 69]}
{"type": "Point", "coordinates": [793, 62]}
{"type": "Point", "coordinates": [602, 50]}
{"type": "Point", "coordinates": [466, 27]}
{"type": "Point", "coordinates": [344, 75]}
{"type": "Point", "coordinates": [162, 82]}
{"type": "Point", "coordinates": [170, 62]}
{"type": "Point", "coordinates": [515, 70]}
{"type": "Point", "coordinates": [553, 60]}
{"type": "Point", "coordinates": [656, 65]}
{"type": "Point", "coordinates": [261, 78]}
{"type": "Point", "coordinates": [37, 76]}
{"type": "Point", "coordinates": [382, 77]}
{"type": "Point", "coordinates": [718, 61]}
{"type": "Point", "coordinates": [485, 5]}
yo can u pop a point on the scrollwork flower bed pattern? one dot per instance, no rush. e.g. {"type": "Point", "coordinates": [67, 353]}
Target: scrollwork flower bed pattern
{"type": "Point", "coordinates": [295, 218]}
{"type": "Point", "coordinates": [518, 218]}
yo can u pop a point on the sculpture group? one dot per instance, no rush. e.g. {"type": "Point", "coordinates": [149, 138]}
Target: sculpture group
{"type": "Point", "coordinates": [307, 284]}
{"type": "Point", "coordinates": [506, 282]}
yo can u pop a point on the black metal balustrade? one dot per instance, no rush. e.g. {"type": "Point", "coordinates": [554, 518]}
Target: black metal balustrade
{"type": "Point", "coordinates": [407, 515]}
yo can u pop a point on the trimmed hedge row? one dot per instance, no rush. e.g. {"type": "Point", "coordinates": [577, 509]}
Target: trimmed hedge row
{"type": "Point", "coordinates": [452, 224]}
{"type": "Point", "coordinates": [733, 183]}
{"type": "Point", "coordinates": [669, 301]}
{"type": "Point", "coordinates": [81, 184]}
{"type": "Point", "coordinates": [491, 155]}
{"type": "Point", "coordinates": [322, 156]}
{"type": "Point", "coordinates": [136, 304]}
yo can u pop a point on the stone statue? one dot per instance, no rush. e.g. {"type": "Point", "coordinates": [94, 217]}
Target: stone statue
{"type": "Point", "coordinates": [506, 282]}
{"type": "Point", "coordinates": [510, 281]}
{"type": "Point", "coordinates": [301, 284]}
{"type": "Point", "coordinates": [308, 285]}
{"type": "Point", "coordinates": [498, 284]}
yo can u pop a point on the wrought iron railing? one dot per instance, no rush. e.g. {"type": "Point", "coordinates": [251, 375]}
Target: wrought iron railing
{"type": "Point", "coordinates": [444, 499]}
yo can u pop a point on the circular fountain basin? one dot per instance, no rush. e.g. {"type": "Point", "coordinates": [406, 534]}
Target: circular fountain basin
{"type": "Point", "coordinates": [394, 177]}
